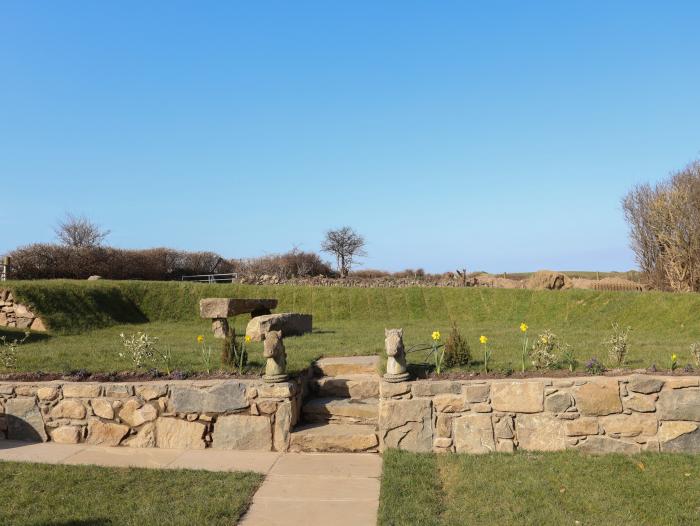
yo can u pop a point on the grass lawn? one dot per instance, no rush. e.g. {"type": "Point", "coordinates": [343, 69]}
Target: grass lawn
{"type": "Point", "coordinates": [97, 351]}
{"type": "Point", "coordinates": [41, 494]}
{"type": "Point", "coordinates": [539, 489]}
{"type": "Point", "coordinates": [86, 319]}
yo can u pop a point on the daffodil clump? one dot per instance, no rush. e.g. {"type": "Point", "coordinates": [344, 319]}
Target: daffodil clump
{"type": "Point", "coordinates": [205, 353]}
{"type": "Point", "coordinates": [439, 355]}
{"type": "Point", "coordinates": [674, 362]}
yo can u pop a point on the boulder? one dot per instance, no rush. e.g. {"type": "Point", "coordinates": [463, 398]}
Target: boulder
{"type": "Point", "coordinates": [290, 323]}
{"type": "Point", "coordinates": [548, 280]}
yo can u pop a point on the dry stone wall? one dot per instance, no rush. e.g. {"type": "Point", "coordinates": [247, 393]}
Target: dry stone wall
{"type": "Point", "coordinates": [16, 315]}
{"type": "Point", "coordinates": [597, 414]}
{"type": "Point", "coordinates": [222, 414]}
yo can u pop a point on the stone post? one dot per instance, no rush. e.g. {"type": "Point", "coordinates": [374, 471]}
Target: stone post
{"type": "Point", "coordinates": [219, 327]}
{"type": "Point", "coordinates": [274, 352]}
{"type": "Point", "coordinates": [396, 369]}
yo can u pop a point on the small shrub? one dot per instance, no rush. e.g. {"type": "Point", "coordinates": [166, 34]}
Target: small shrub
{"type": "Point", "coordinates": [695, 352]}
{"type": "Point", "coordinates": [233, 353]}
{"type": "Point", "coordinates": [618, 345]}
{"type": "Point", "coordinates": [457, 350]}
{"type": "Point", "coordinates": [8, 351]}
{"type": "Point", "coordinates": [140, 348]}
{"type": "Point", "coordinates": [593, 366]}
{"type": "Point", "coordinates": [568, 358]}
{"type": "Point", "coordinates": [545, 351]}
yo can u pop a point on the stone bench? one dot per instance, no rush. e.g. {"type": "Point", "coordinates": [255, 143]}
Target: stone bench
{"type": "Point", "coordinates": [219, 309]}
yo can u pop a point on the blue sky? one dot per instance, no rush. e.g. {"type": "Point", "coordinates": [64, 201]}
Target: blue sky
{"type": "Point", "coordinates": [493, 135]}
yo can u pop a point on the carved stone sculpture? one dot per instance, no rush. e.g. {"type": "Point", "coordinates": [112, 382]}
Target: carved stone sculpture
{"type": "Point", "coordinates": [396, 356]}
{"type": "Point", "coordinates": [273, 351]}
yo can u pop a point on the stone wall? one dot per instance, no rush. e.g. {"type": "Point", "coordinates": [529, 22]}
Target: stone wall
{"type": "Point", "coordinates": [16, 315]}
{"type": "Point", "coordinates": [593, 414]}
{"type": "Point", "coordinates": [223, 414]}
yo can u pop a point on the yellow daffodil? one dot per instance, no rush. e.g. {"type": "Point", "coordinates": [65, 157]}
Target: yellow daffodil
{"type": "Point", "coordinates": [200, 338]}
{"type": "Point", "coordinates": [247, 338]}
{"type": "Point", "coordinates": [674, 357]}
{"type": "Point", "coordinates": [436, 336]}
{"type": "Point", "coordinates": [523, 327]}
{"type": "Point", "coordinates": [483, 339]}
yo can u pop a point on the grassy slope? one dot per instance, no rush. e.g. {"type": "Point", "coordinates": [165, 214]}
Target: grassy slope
{"type": "Point", "coordinates": [351, 320]}
{"type": "Point", "coordinates": [539, 489]}
{"type": "Point", "coordinates": [49, 494]}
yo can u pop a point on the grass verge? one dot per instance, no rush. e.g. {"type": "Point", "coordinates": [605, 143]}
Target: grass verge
{"type": "Point", "coordinates": [539, 489]}
{"type": "Point", "coordinates": [41, 494]}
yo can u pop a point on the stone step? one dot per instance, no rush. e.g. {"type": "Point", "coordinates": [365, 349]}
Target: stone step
{"type": "Point", "coordinates": [341, 410]}
{"type": "Point", "coordinates": [341, 438]}
{"type": "Point", "coordinates": [345, 365]}
{"type": "Point", "coordinates": [358, 386]}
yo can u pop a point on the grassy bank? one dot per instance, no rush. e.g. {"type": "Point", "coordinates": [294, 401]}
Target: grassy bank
{"type": "Point", "coordinates": [539, 489]}
{"type": "Point", "coordinates": [50, 494]}
{"type": "Point", "coordinates": [87, 317]}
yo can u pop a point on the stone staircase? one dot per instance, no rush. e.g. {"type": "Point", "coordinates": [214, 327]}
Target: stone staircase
{"type": "Point", "coordinates": [341, 414]}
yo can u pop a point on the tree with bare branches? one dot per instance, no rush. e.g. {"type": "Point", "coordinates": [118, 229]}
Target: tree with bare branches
{"type": "Point", "coordinates": [79, 232]}
{"type": "Point", "coordinates": [665, 229]}
{"type": "Point", "coordinates": [346, 245]}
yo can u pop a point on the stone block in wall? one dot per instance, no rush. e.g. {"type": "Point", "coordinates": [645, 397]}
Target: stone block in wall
{"type": "Point", "coordinates": [644, 384]}
{"type": "Point", "coordinates": [47, 393]}
{"type": "Point", "coordinates": [518, 396]}
{"type": "Point", "coordinates": [80, 390]}
{"type": "Point", "coordinates": [23, 420]}
{"type": "Point", "coordinates": [450, 403]}
{"type": "Point", "coordinates": [389, 389]}
{"type": "Point", "coordinates": [102, 407]}
{"type": "Point", "coordinates": [443, 425]}
{"type": "Point", "coordinates": [558, 402]}
{"type": "Point", "coordinates": [473, 434]}
{"type": "Point", "coordinates": [174, 433]}
{"type": "Point", "coordinates": [66, 435]}
{"type": "Point", "coordinates": [633, 425]}
{"type": "Point", "coordinates": [682, 382]}
{"type": "Point", "coordinates": [242, 432]}
{"type": "Point", "coordinates": [540, 432]}
{"type": "Point", "coordinates": [220, 398]}
{"type": "Point", "coordinates": [282, 427]}
{"type": "Point", "coordinates": [119, 391]}
{"type": "Point", "coordinates": [435, 387]}
{"type": "Point", "coordinates": [683, 443]}
{"type": "Point", "coordinates": [146, 437]}
{"type": "Point", "coordinates": [134, 413]}
{"type": "Point", "coordinates": [72, 409]}
{"type": "Point", "coordinates": [406, 424]}
{"type": "Point", "coordinates": [582, 427]}
{"type": "Point", "coordinates": [476, 393]}
{"type": "Point", "coordinates": [151, 391]}
{"type": "Point", "coordinates": [603, 444]}
{"type": "Point", "coordinates": [679, 404]}
{"type": "Point", "coordinates": [670, 430]}
{"type": "Point", "coordinates": [105, 433]}
{"type": "Point", "coordinates": [598, 397]}
{"type": "Point", "coordinates": [640, 403]}
{"type": "Point", "coordinates": [280, 390]}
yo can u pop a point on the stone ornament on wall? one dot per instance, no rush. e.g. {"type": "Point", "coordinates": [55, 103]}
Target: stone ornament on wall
{"type": "Point", "coordinates": [396, 368]}
{"type": "Point", "coordinates": [276, 356]}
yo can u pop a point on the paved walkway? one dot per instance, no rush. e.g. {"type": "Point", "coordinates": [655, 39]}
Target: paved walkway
{"type": "Point", "coordinates": [299, 488]}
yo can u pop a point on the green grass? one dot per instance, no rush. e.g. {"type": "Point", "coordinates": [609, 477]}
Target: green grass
{"type": "Point", "coordinates": [539, 489]}
{"type": "Point", "coordinates": [86, 319]}
{"type": "Point", "coordinates": [40, 494]}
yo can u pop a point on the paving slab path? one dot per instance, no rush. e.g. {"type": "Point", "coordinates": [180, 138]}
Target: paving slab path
{"type": "Point", "coordinates": [299, 488]}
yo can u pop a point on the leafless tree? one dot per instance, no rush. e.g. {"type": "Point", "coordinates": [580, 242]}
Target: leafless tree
{"type": "Point", "coordinates": [665, 229]}
{"type": "Point", "coordinates": [346, 245]}
{"type": "Point", "coordinates": [79, 232]}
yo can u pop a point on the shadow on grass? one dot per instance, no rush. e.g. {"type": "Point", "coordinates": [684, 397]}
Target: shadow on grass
{"type": "Point", "coordinates": [18, 334]}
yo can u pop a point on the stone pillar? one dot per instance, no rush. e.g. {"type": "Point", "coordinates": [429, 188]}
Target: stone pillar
{"type": "Point", "coordinates": [396, 369]}
{"type": "Point", "coordinates": [220, 327]}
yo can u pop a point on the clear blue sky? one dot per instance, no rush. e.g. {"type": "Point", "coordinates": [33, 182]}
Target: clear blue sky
{"type": "Point", "coordinates": [497, 136]}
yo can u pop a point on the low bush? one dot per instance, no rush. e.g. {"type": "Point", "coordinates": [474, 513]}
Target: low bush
{"type": "Point", "coordinates": [292, 264]}
{"type": "Point", "coordinates": [457, 350]}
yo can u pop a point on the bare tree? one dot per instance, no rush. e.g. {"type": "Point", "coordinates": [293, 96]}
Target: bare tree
{"type": "Point", "coordinates": [665, 229]}
{"type": "Point", "coordinates": [346, 245]}
{"type": "Point", "coordinates": [79, 232]}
